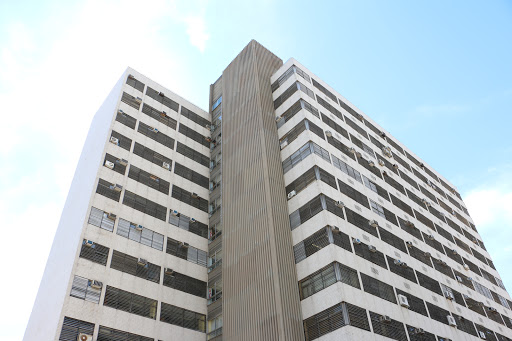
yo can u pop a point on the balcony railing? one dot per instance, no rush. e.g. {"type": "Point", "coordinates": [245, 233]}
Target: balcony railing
{"type": "Point", "coordinates": [214, 333]}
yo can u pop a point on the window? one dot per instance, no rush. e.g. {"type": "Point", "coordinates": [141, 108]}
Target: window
{"type": "Point", "coordinates": [158, 136]}
{"type": "Point", "coordinates": [146, 237]}
{"type": "Point", "coordinates": [362, 146]}
{"type": "Point", "coordinates": [392, 240]}
{"type": "Point", "coordinates": [465, 325]}
{"type": "Point", "coordinates": [325, 91]}
{"type": "Point", "coordinates": [189, 224]}
{"type": "Point", "coordinates": [302, 181]}
{"type": "Point", "coordinates": [131, 81]}
{"type": "Point", "coordinates": [130, 100]}
{"type": "Point", "coordinates": [409, 227]}
{"type": "Point", "coordinates": [148, 179]}
{"type": "Point", "coordinates": [290, 91]}
{"type": "Point", "coordinates": [415, 304]}
{"type": "Point", "coordinates": [401, 162]}
{"type": "Point", "coordinates": [341, 147]}
{"type": "Point", "coordinates": [94, 252]}
{"type": "Point", "coordinates": [345, 168]}
{"type": "Point", "coordinates": [126, 119]}
{"type": "Point", "coordinates": [336, 127]}
{"type": "Point", "coordinates": [372, 169]}
{"type": "Point", "coordinates": [124, 142]}
{"type": "Point", "coordinates": [203, 122]}
{"type": "Point", "coordinates": [102, 219]}
{"type": "Point", "coordinates": [409, 180]}
{"type": "Point", "coordinates": [287, 74]}
{"type": "Point", "coordinates": [395, 145]}
{"type": "Point", "coordinates": [306, 212]}
{"type": "Point", "coordinates": [81, 288]}
{"type": "Point", "coordinates": [427, 222]}
{"type": "Point", "coordinates": [361, 222]}
{"type": "Point", "coordinates": [324, 322]}
{"type": "Point", "coordinates": [318, 241]}
{"type": "Point", "coordinates": [193, 154]}
{"type": "Point", "coordinates": [457, 295]}
{"type": "Point", "coordinates": [304, 152]}
{"type": "Point", "coordinates": [294, 109]}
{"type": "Point", "coordinates": [420, 255]}
{"type": "Point", "coordinates": [217, 102]}
{"type": "Point", "coordinates": [194, 135]}
{"type": "Point", "coordinates": [182, 317]}
{"type": "Point", "coordinates": [108, 190]}
{"type": "Point", "coordinates": [144, 205]}
{"type": "Point", "coordinates": [191, 175]}
{"type": "Point", "coordinates": [71, 328]}
{"type": "Point", "coordinates": [329, 107]}
{"type": "Point", "coordinates": [415, 336]}
{"type": "Point", "coordinates": [356, 127]}
{"type": "Point", "coordinates": [429, 283]}
{"type": "Point", "coordinates": [181, 250]}
{"type": "Point", "coordinates": [353, 194]}
{"type": "Point", "coordinates": [392, 329]}
{"type": "Point", "coordinates": [151, 155]}
{"type": "Point", "coordinates": [159, 116]}
{"type": "Point", "coordinates": [380, 289]}
{"type": "Point", "coordinates": [376, 188]}
{"type": "Point", "coordinates": [118, 167]}
{"type": "Point", "coordinates": [393, 183]}
{"type": "Point", "coordinates": [129, 302]}
{"type": "Point", "coordinates": [401, 269]}
{"type": "Point", "coordinates": [437, 313]}
{"type": "Point", "coordinates": [374, 256]}
{"type": "Point", "coordinates": [126, 263]}
{"type": "Point", "coordinates": [157, 96]}
{"type": "Point", "coordinates": [189, 198]}
{"type": "Point", "coordinates": [110, 334]}
{"type": "Point", "coordinates": [401, 205]}
{"type": "Point", "coordinates": [383, 212]}
{"type": "Point", "coordinates": [185, 283]}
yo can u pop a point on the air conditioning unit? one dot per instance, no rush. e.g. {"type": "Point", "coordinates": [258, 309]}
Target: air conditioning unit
{"type": "Point", "coordinates": [194, 195]}
{"type": "Point", "coordinates": [426, 202]}
{"type": "Point", "coordinates": [451, 321]}
{"type": "Point", "coordinates": [166, 165]}
{"type": "Point", "coordinates": [120, 112]}
{"type": "Point", "coordinates": [419, 331]}
{"type": "Point", "coordinates": [339, 204]}
{"type": "Point", "coordinates": [278, 118]}
{"type": "Point", "coordinates": [88, 243]}
{"type": "Point", "coordinates": [409, 244]}
{"type": "Point", "coordinates": [371, 163]}
{"type": "Point", "coordinates": [482, 335]}
{"type": "Point", "coordinates": [455, 252]}
{"type": "Point", "coordinates": [466, 267]}
{"type": "Point", "coordinates": [492, 310]}
{"type": "Point", "coordinates": [175, 213]}
{"type": "Point", "coordinates": [360, 117]}
{"type": "Point", "coordinates": [431, 237]}
{"type": "Point", "coordinates": [96, 284]}
{"type": "Point", "coordinates": [475, 240]}
{"type": "Point", "coordinates": [169, 271]}
{"type": "Point", "coordinates": [397, 262]}
{"type": "Point", "coordinates": [131, 77]}
{"type": "Point", "coordinates": [138, 100]}
{"type": "Point", "coordinates": [163, 114]}
{"type": "Point", "coordinates": [208, 139]}
{"type": "Point", "coordinates": [458, 278]}
{"type": "Point", "coordinates": [449, 295]}
{"type": "Point", "coordinates": [154, 178]}
{"type": "Point", "coordinates": [161, 94]}
{"type": "Point", "coordinates": [111, 216]}
{"type": "Point", "coordinates": [387, 151]}
{"type": "Point", "coordinates": [402, 300]}
{"type": "Point", "coordinates": [123, 162]}
{"type": "Point", "coordinates": [453, 212]}
{"type": "Point", "coordinates": [336, 230]}
{"type": "Point", "coordinates": [292, 194]}
{"type": "Point", "coordinates": [142, 261]}
{"type": "Point", "coordinates": [109, 164]}
{"type": "Point", "coordinates": [114, 140]}
{"type": "Point", "coordinates": [427, 254]}
{"type": "Point", "coordinates": [383, 135]}
{"type": "Point", "coordinates": [385, 318]}
{"type": "Point", "coordinates": [283, 144]}
{"type": "Point", "coordinates": [444, 339]}
{"type": "Point", "coordinates": [139, 227]}
{"type": "Point", "coordinates": [373, 223]}
{"type": "Point", "coordinates": [409, 223]}
{"type": "Point", "coordinates": [117, 188]}
{"type": "Point", "coordinates": [372, 248]}
{"type": "Point", "coordinates": [328, 133]}
{"type": "Point", "coordinates": [381, 162]}
{"type": "Point", "coordinates": [422, 165]}
{"type": "Point", "coordinates": [184, 245]}
{"type": "Point", "coordinates": [153, 129]}
{"type": "Point", "coordinates": [192, 220]}
{"type": "Point", "coordinates": [84, 337]}
{"type": "Point", "coordinates": [352, 150]}
{"type": "Point", "coordinates": [356, 241]}
{"type": "Point", "coordinates": [395, 166]}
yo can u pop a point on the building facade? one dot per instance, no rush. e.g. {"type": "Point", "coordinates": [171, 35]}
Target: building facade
{"type": "Point", "coordinates": [283, 213]}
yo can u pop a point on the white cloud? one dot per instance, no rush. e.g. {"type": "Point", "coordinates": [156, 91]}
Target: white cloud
{"type": "Point", "coordinates": [196, 30]}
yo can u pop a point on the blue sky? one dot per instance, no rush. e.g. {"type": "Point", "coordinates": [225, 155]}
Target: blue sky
{"type": "Point", "coordinates": [436, 74]}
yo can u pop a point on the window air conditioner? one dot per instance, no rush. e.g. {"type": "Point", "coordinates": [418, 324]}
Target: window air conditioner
{"type": "Point", "coordinates": [153, 129]}
{"type": "Point", "coordinates": [161, 94]}
{"type": "Point", "coordinates": [166, 165]}
{"type": "Point", "coordinates": [175, 213]}
{"type": "Point", "coordinates": [352, 150]}
{"type": "Point", "coordinates": [431, 237]}
{"type": "Point", "coordinates": [142, 261]}
{"type": "Point", "coordinates": [383, 135]}
{"type": "Point", "coordinates": [356, 241]}
{"type": "Point", "coordinates": [426, 202]}
{"type": "Point", "coordinates": [131, 77]}
{"type": "Point", "coordinates": [373, 223]}
{"type": "Point", "coordinates": [419, 331]}
{"type": "Point", "coordinates": [409, 244]}
{"type": "Point", "coordinates": [109, 164]}
{"type": "Point", "coordinates": [192, 220]}
{"type": "Point", "coordinates": [328, 133]}
{"type": "Point", "coordinates": [96, 285]}
{"type": "Point", "coordinates": [339, 204]}
{"type": "Point", "coordinates": [139, 227]}
{"type": "Point", "coordinates": [123, 162]}
{"type": "Point", "coordinates": [371, 163]}
{"type": "Point", "coordinates": [482, 335]}
{"type": "Point", "coordinates": [402, 299]}
{"type": "Point", "coordinates": [163, 114]}
{"type": "Point", "coordinates": [84, 337]}
{"type": "Point", "coordinates": [466, 267]}
{"type": "Point", "coordinates": [451, 321]}
{"type": "Point", "coordinates": [292, 194]}
{"type": "Point", "coordinates": [117, 188]}
{"type": "Point", "coordinates": [208, 139]}
{"type": "Point", "coordinates": [336, 230]}
{"type": "Point", "coordinates": [184, 245]}
{"type": "Point", "coordinates": [120, 112]}
{"type": "Point", "coordinates": [397, 262]}
{"type": "Point", "coordinates": [169, 271]}
{"type": "Point", "coordinates": [385, 318]}
{"type": "Point", "coordinates": [492, 310]}
{"type": "Point", "coordinates": [114, 140]}
{"type": "Point", "coordinates": [458, 278]}
{"type": "Point", "coordinates": [372, 248]}
{"type": "Point", "coordinates": [455, 252]}
{"type": "Point", "coordinates": [381, 162]}
{"type": "Point", "coordinates": [449, 295]}
{"type": "Point", "coordinates": [283, 144]}
{"type": "Point", "coordinates": [427, 254]}
{"type": "Point", "coordinates": [88, 243]}
{"type": "Point", "coordinates": [111, 216]}
{"type": "Point", "coordinates": [278, 118]}
{"type": "Point", "coordinates": [194, 195]}
{"type": "Point", "coordinates": [395, 166]}
{"type": "Point", "coordinates": [409, 223]}
{"type": "Point", "coordinates": [138, 100]}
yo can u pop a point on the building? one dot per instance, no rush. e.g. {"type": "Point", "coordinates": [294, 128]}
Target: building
{"type": "Point", "coordinates": [283, 213]}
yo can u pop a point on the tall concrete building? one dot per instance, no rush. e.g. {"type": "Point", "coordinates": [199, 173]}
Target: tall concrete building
{"type": "Point", "coordinates": [282, 213]}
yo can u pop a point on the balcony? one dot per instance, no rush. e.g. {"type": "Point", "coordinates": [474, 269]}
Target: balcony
{"type": "Point", "coordinates": [215, 335]}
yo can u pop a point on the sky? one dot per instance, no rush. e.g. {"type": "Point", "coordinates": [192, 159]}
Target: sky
{"type": "Point", "coordinates": [435, 74]}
